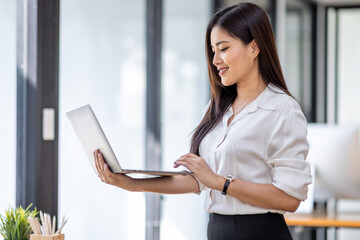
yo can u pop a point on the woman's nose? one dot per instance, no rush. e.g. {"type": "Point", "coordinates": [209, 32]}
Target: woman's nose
{"type": "Point", "coordinates": [216, 59]}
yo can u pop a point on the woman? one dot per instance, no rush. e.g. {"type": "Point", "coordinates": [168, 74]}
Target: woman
{"type": "Point", "coordinates": [249, 150]}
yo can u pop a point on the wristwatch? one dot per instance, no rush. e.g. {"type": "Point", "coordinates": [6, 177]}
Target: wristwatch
{"type": "Point", "coordinates": [228, 180]}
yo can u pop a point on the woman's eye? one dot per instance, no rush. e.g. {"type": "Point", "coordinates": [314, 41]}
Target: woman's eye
{"type": "Point", "coordinates": [224, 49]}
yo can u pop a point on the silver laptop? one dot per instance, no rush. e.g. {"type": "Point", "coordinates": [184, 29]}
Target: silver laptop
{"type": "Point", "coordinates": [92, 137]}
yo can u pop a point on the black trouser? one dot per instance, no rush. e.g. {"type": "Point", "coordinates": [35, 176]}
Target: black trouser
{"type": "Point", "coordinates": [269, 226]}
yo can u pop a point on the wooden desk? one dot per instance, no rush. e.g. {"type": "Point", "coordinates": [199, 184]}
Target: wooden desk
{"type": "Point", "coordinates": [322, 222]}
{"type": "Point", "coordinates": [348, 220]}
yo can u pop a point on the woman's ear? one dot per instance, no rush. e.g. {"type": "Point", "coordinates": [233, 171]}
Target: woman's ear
{"type": "Point", "coordinates": [254, 49]}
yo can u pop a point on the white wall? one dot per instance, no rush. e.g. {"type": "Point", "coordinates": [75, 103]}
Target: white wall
{"type": "Point", "coordinates": [7, 103]}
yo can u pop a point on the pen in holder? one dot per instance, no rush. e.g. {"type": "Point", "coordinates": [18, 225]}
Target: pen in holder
{"type": "Point", "coordinates": [46, 231]}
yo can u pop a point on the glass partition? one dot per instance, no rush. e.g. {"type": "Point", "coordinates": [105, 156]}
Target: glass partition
{"type": "Point", "coordinates": [7, 104]}
{"type": "Point", "coordinates": [348, 67]}
{"type": "Point", "coordinates": [344, 88]}
{"type": "Point", "coordinates": [102, 63]}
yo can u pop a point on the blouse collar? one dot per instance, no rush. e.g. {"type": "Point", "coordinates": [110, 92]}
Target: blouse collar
{"type": "Point", "coordinates": [265, 100]}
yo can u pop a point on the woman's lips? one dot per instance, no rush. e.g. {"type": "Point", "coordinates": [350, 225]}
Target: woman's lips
{"type": "Point", "coordinates": [222, 71]}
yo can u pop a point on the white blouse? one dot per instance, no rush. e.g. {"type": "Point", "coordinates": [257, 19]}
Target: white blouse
{"type": "Point", "coordinates": [265, 143]}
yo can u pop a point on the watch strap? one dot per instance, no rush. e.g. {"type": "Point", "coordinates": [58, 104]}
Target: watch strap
{"type": "Point", "coordinates": [226, 185]}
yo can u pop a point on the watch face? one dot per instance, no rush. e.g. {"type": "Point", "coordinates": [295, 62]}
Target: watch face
{"type": "Point", "coordinates": [230, 177]}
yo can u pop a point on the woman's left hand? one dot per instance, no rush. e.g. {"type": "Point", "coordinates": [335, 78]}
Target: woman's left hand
{"type": "Point", "coordinates": [201, 170]}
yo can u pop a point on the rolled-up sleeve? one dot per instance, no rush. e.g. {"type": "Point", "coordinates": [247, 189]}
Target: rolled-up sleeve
{"type": "Point", "coordinates": [287, 151]}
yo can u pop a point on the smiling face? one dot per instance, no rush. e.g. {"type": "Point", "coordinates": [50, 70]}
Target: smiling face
{"type": "Point", "coordinates": [234, 60]}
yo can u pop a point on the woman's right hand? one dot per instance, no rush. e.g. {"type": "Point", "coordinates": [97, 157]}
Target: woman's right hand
{"type": "Point", "coordinates": [108, 177]}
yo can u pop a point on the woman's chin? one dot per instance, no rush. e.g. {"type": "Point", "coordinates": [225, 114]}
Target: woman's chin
{"type": "Point", "coordinates": [226, 83]}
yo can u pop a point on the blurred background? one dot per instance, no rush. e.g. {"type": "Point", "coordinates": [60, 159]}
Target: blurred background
{"type": "Point", "coordinates": [141, 65]}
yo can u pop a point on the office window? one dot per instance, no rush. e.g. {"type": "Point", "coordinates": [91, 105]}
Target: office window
{"type": "Point", "coordinates": [185, 92]}
{"type": "Point", "coordinates": [7, 103]}
{"type": "Point", "coordinates": [102, 62]}
{"type": "Point", "coordinates": [348, 66]}
{"type": "Point", "coordinates": [298, 48]}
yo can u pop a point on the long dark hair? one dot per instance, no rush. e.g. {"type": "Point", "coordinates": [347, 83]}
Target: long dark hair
{"type": "Point", "coordinates": [247, 22]}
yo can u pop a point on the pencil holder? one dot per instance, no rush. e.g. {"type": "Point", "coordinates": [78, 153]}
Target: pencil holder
{"type": "Point", "coordinates": [49, 237]}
